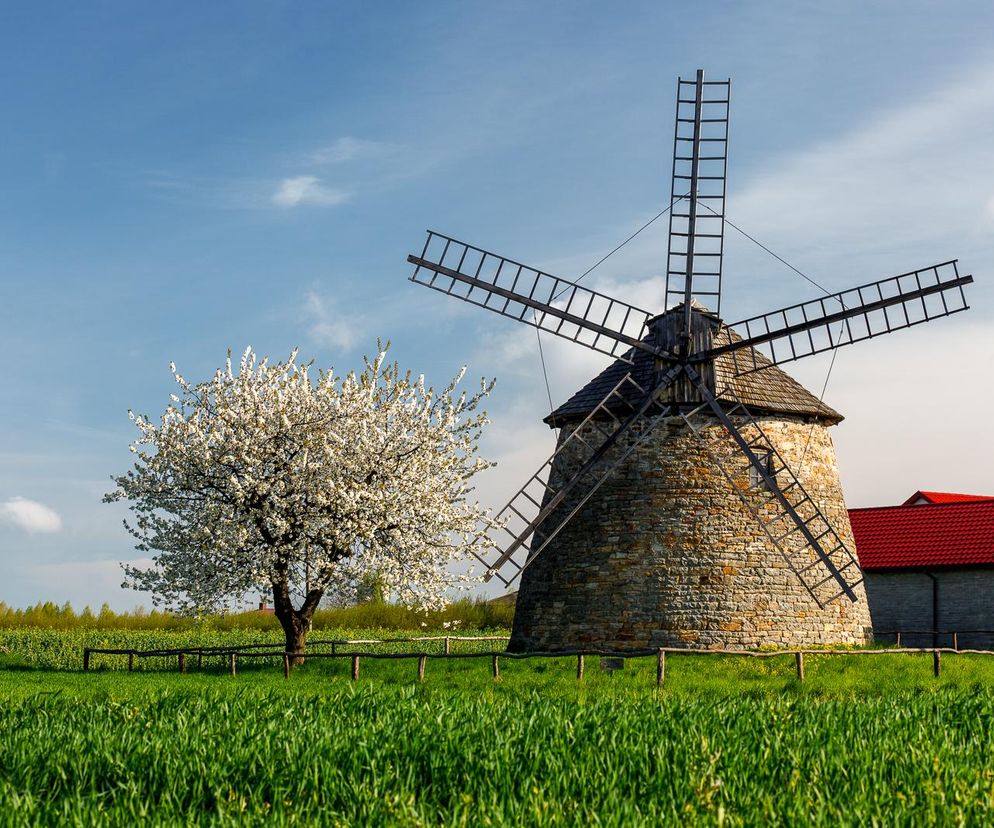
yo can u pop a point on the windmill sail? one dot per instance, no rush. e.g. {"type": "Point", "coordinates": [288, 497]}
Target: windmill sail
{"type": "Point", "coordinates": [531, 296]}
{"type": "Point", "coordinates": [596, 449]}
{"type": "Point", "coordinates": [697, 193]}
{"type": "Point", "coordinates": [849, 316]}
{"type": "Point", "coordinates": [788, 515]}
{"type": "Point", "coordinates": [685, 366]}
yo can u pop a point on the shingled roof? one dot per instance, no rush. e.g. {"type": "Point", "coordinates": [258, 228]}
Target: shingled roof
{"type": "Point", "coordinates": [766, 391]}
{"type": "Point", "coordinates": [925, 535]}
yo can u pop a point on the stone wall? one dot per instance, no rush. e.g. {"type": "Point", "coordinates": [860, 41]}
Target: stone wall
{"type": "Point", "coordinates": [666, 554]}
{"type": "Point", "coordinates": [902, 601]}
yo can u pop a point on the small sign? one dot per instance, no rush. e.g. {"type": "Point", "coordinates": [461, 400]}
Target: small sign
{"type": "Point", "coordinates": [612, 664]}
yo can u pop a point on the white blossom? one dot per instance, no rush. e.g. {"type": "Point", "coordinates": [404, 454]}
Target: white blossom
{"type": "Point", "coordinates": [267, 478]}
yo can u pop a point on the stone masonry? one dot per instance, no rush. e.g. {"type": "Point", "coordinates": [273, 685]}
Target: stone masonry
{"type": "Point", "coordinates": [666, 554]}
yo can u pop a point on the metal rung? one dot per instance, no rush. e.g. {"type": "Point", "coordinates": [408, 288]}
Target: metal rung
{"type": "Point", "coordinates": [477, 276]}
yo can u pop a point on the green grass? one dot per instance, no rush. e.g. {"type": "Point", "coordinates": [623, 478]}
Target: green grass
{"type": "Point", "coordinates": [729, 740]}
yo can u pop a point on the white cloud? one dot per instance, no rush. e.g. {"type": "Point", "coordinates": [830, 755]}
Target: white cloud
{"type": "Point", "coordinates": [29, 515]}
{"type": "Point", "coordinates": [327, 325]}
{"type": "Point", "coordinates": [307, 189]}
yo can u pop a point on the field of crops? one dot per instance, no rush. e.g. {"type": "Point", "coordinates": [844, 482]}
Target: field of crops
{"type": "Point", "coordinates": [728, 741]}
{"type": "Point", "coordinates": [63, 649]}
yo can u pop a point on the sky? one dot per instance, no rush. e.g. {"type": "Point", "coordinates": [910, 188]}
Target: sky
{"type": "Point", "coordinates": [180, 179]}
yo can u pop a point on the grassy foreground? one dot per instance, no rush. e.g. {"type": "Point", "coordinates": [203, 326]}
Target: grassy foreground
{"type": "Point", "coordinates": [730, 741]}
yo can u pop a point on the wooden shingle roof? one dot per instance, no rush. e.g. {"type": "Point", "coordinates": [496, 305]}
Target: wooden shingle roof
{"type": "Point", "coordinates": [766, 391]}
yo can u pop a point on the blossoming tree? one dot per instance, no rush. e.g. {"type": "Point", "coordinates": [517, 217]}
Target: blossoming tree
{"type": "Point", "coordinates": [270, 479]}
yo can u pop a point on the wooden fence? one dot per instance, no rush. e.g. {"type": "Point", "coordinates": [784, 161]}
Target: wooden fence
{"type": "Point", "coordinates": [250, 651]}
{"type": "Point", "coordinates": [952, 636]}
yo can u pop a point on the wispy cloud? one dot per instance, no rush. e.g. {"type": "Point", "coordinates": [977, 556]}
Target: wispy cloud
{"type": "Point", "coordinates": [989, 212]}
{"type": "Point", "coordinates": [308, 190]}
{"type": "Point", "coordinates": [88, 582]}
{"type": "Point", "coordinates": [286, 181]}
{"type": "Point", "coordinates": [346, 149]}
{"type": "Point", "coordinates": [30, 515]}
{"type": "Point", "coordinates": [901, 190]}
{"type": "Point", "coordinates": [327, 325]}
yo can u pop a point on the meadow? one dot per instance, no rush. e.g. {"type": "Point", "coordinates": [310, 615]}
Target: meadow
{"type": "Point", "coordinates": [727, 741]}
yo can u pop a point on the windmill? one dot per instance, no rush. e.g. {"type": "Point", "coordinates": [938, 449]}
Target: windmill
{"type": "Point", "coordinates": [678, 506]}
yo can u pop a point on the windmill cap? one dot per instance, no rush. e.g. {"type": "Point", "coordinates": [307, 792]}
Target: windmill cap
{"type": "Point", "coordinates": [769, 390]}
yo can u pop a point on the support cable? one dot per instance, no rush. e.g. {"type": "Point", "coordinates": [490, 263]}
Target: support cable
{"type": "Point", "coordinates": [835, 350]}
{"type": "Point", "coordinates": [585, 273]}
{"type": "Point", "coordinates": [541, 354]}
{"type": "Point", "coordinates": [603, 259]}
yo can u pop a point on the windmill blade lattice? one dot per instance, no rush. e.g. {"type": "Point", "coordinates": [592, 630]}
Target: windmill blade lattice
{"type": "Point", "coordinates": [700, 159]}
{"type": "Point", "coordinates": [531, 296]}
{"type": "Point", "coordinates": [677, 389]}
{"type": "Point", "coordinates": [849, 316]}
{"type": "Point", "coordinates": [626, 416]}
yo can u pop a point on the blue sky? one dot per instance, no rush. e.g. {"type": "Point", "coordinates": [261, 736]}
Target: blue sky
{"type": "Point", "coordinates": [180, 178]}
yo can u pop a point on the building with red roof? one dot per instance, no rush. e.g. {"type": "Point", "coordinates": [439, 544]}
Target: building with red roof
{"type": "Point", "coordinates": [929, 568]}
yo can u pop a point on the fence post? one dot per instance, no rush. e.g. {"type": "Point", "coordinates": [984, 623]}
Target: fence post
{"type": "Point", "coordinates": [131, 661]}
{"type": "Point", "coordinates": [936, 662]}
{"type": "Point", "coordinates": [421, 667]}
{"type": "Point", "coordinates": [200, 659]}
{"type": "Point", "coordinates": [447, 646]}
{"type": "Point", "coordinates": [232, 665]}
{"type": "Point", "coordinates": [660, 667]}
{"type": "Point", "coordinates": [496, 668]}
{"type": "Point", "coordinates": [181, 659]}
{"type": "Point", "coordinates": [955, 641]}
{"type": "Point", "coordinates": [355, 668]}
{"type": "Point", "coordinates": [897, 639]}
{"type": "Point", "coordinates": [286, 666]}
{"type": "Point", "coordinates": [799, 658]}
{"type": "Point", "coordinates": [579, 667]}
{"type": "Point", "coordinates": [86, 659]}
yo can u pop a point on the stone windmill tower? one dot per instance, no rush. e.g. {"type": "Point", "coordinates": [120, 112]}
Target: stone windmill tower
{"type": "Point", "coordinates": [693, 498]}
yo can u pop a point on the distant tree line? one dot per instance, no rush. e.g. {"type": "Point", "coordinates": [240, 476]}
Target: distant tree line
{"type": "Point", "coordinates": [464, 614]}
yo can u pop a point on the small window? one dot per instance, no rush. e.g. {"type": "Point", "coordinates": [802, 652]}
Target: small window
{"type": "Point", "coordinates": [766, 459]}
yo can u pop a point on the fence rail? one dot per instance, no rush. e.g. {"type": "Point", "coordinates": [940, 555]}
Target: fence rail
{"type": "Point", "coordinates": [250, 651]}
{"type": "Point", "coordinates": [952, 636]}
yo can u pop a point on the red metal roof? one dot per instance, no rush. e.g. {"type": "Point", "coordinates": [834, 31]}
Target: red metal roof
{"type": "Point", "coordinates": [957, 533]}
{"type": "Point", "coordinates": [942, 497]}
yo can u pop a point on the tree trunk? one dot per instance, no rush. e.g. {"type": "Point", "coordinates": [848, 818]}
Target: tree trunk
{"type": "Point", "coordinates": [295, 635]}
{"type": "Point", "coordinates": [296, 623]}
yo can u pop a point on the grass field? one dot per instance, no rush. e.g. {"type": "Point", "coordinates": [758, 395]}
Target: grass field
{"type": "Point", "coordinates": [728, 741]}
